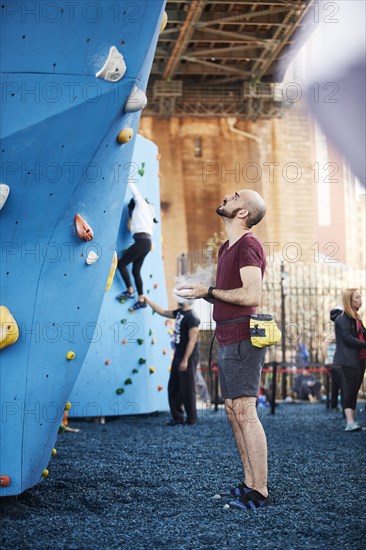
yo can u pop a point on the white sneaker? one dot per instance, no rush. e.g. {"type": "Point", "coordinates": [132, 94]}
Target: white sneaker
{"type": "Point", "coordinates": [352, 427]}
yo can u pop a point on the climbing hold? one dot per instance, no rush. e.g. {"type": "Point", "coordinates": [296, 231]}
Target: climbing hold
{"type": "Point", "coordinates": [4, 193]}
{"type": "Point", "coordinates": [128, 381]}
{"type": "Point", "coordinates": [137, 100]}
{"type": "Point", "coordinates": [70, 355]}
{"type": "Point", "coordinates": [83, 229]}
{"type": "Point", "coordinates": [135, 371]}
{"type": "Point", "coordinates": [153, 247]}
{"type": "Point", "coordinates": [125, 135]}
{"type": "Point", "coordinates": [141, 172]}
{"type": "Point", "coordinates": [54, 452]}
{"type": "Point", "coordinates": [5, 481]}
{"type": "Point", "coordinates": [160, 388]}
{"type": "Point", "coordinates": [167, 323]}
{"type": "Point", "coordinates": [152, 341]}
{"type": "Point", "coordinates": [148, 291]}
{"type": "Point", "coordinates": [112, 271]}
{"type": "Point", "coordinates": [114, 68]}
{"type": "Point", "coordinates": [107, 362]}
{"type": "Point", "coordinates": [151, 370]}
{"type": "Point", "coordinates": [119, 391]}
{"type": "Point", "coordinates": [164, 21]}
{"type": "Point", "coordinates": [9, 331]}
{"type": "Point", "coordinates": [68, 406]}
{"type": "Point", "coordinates": [164, 352]}
{"type": "Point", "coordinates": [151, 276]}
{"type": "Point", "coordinates": [62, 428]}
{"type": "Point", "coordinates": [159, 174]}
{"type": "Point", "coordinates": [92, 258]}
{"type": "Point", "coordinates": [123, 321]}
{"type": "Point", "coordinates": [142, 361]}
{"type": "Point", "coordinates": [151, 332]}
{"type": "Point", "coordinates": [158, 156]}
{"type": "Point", "coordinates": [171, 332]}
{"type": "Point", "coordinates": [124, 341]}
{"type": "Point", "coordinates": [156, 285]}
{"type": "Point", "coordinates": [131, 310]}
{"type": "Point", "coordinates": [140, 341]}
{"type": "Point", "coordinates": [45, 473]}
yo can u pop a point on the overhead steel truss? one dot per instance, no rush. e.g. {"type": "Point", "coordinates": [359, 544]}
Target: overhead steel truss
{"type": "Point", "coordinates": [224, 58]}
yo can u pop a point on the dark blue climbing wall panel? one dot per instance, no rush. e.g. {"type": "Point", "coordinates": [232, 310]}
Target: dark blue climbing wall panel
{"type": "Point", "coordinates": [127, 366]}
{"type": "Point", "coordinates": [59, 157]}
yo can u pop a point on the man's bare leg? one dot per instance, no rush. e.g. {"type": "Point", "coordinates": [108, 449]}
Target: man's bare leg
{"type": "Point", "coordinates": [251, 441]}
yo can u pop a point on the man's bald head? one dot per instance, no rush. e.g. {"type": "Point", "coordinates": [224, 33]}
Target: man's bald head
{"type": "Point", "coordinates": [254, 203]}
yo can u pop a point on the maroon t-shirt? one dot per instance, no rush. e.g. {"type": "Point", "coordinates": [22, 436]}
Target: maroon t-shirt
{"type": "Point", "coordinates": [247, 251]}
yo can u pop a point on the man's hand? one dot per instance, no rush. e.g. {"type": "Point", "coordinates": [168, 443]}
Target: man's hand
{"type": "Point", "coordinates": [192, 291]}
{"type": "Point", "coordinates": [183, 365]}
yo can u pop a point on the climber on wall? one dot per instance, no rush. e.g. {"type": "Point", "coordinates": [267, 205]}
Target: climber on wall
{"type": "Point", "coordinates": [142, 228]}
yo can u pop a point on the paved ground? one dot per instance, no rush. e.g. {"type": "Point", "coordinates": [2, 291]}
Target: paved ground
{"type": "Point", "coordinates": [134, 483]}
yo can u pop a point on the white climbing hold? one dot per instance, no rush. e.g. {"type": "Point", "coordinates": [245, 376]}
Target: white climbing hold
{"type": "Point", "coordinates": [137, 100]}
{"type": "Point", "coordinates": [4, 193]}
{"type": "Point", "coordinates": [92, 258]}
{"type": "Point", "coordinates": [114, 68]}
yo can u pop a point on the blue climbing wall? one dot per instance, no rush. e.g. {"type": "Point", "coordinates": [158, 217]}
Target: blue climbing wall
{"type": "Point", "coordinates": [126, 369]}
{"type": "Point", "coordinates": [60, 157]}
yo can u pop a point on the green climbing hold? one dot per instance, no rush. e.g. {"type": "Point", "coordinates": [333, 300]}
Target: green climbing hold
{"type": "Point", "coordinates": [123, 321]}
{"type": "Point", "coordinates": [128, 381]}
{"type": "Point", "coordinates": [141, 172]}
{"type": "Point", "coordinates": [135, 371]}
{"type": "Point", "coordinates": [119, 391]}
{"type": "Point", "coordinates": [150, 332]}
{"type": "Point", "coordinates": [151, 276]}
{"type": "Point", "coordinates": [142, 361]}
{"type": "Point", "coordinates": [140, 341]}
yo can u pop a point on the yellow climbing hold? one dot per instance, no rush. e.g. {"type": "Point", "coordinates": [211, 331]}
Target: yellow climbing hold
{"type": "Point", "coordinates": [54, 452]}
{"type": "Point", "coordinates": [70, 355]}
{"type": "Point", "coordinates": [112, 271]}
{"type": "Point", "coordinates": [152, 370]}
{"type": "Point", "coordinates": [164, 21]}
{"type": "Point", "coordinates": [125, 136]}
{"type": "Point", "coordinates": [68, 406]}
{"type": "Point", "coordinates": [45, 473]}
{"type": "Point", "coordinates": [9, 331]}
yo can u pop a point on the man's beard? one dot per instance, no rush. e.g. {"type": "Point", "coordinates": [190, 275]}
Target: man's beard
{"type": "Point", "coordinates": [220, 210]}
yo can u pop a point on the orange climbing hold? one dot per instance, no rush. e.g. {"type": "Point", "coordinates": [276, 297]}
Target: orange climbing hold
{"type": "Point", "coordinates": [156, 285]}
{"type": "Point", "coordinates": [164, 352]}
{"type": "Point", "coordinates": [124, 341]}
{"type": "Point", "coordinates": [83, 229]}
{"type": "Point", "coordinates": [158, 156]}
{"type": "Point", "coordinates": [107, 362]}
{"type": "Point", "coordinates": [5, 481]}
{"type": "Point", "coordinates": [160, 388]}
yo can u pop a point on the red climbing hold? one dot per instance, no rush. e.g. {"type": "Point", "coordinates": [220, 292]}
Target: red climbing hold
{"type": "Point", "coordinates": [83, 229]}
{"type": "Point", "coordinates": [4, 481]}
{"type": "Point", "coordinates": [107, 362]}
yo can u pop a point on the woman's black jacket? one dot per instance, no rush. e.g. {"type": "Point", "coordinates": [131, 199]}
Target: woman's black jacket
{"type": "Point", "coordinates": [348, 345]}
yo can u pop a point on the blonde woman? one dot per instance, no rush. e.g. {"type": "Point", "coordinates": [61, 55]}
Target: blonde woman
{"type": "Point", "coordinates": [350, 353]}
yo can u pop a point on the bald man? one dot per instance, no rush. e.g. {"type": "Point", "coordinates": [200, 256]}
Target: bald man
{"type": "Point", "coordinates": [240, 269]}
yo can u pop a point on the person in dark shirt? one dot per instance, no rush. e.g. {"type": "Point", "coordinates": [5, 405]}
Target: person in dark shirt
{"type": "Point", "coordinates": [181, 386]}
{"type": "Point", "coordinates": [350, 353]}
{"type": "Point", "coordinates": [240, 269]}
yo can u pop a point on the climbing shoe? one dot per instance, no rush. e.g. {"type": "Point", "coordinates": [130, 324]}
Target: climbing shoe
{"type": "Point", "coordinates": [139, 305]}
{"type": "Point", "coordinates": [250, 501]}
{"type": "Point", "coordinates": [124, 296]}
{"type": "Point", "coordinates": [233, 492]}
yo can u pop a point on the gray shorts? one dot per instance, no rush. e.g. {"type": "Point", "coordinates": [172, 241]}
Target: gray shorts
{"type": "Point", "coordinates": [240, 367]}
